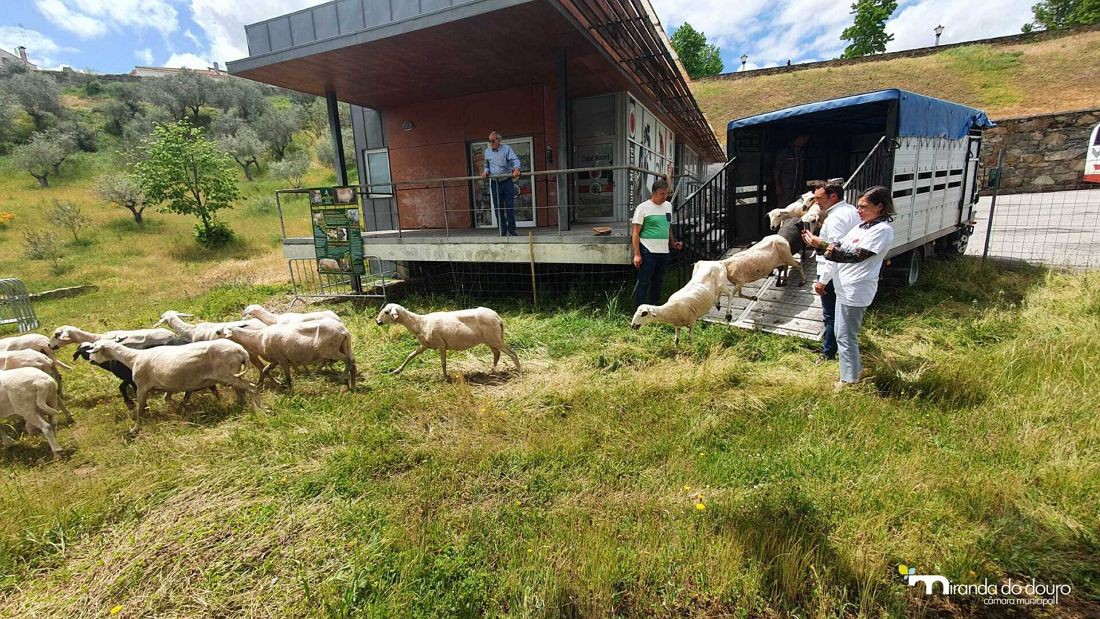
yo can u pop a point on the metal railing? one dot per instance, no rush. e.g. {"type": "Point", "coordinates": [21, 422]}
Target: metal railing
{"type": "Point", "coordinates": [460, 197]}
{"type": "Point", "coordinates": [870, 171]}
{"type": "Point", "coordinates": [704, 220]}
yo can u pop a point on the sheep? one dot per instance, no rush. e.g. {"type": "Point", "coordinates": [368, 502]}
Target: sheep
{"type": "Point", "coordinates": [443, 331]}
{"type": "Point", "coordinates": [31, 394]}
{"type": "Point", "coordinates": [328, 264]}
{"type": "Point", "coordinates": [203, 331]}
{"type": "Point", "coordinates": [123, 372]}
{"type": "Point", "coordinates": [31, 341]}
{"type": "Point", "coordinates": [259, 312]}
{"type": "Point", "coordinates": [67, 334]}
{"type": "Point", "coordinates": [297, 344]}
{"type": "Point", "coordinates": [756, 262]}
{"type": "Point", "coordinates": [791, 230]}
{"type": "Point", "coordinates": [688, 304]}
{"type": "Point", "coordinates": [172, 369]}
{"type": "Point", "coordinates": [794, 210]}
{"type": "Point", "coordinates": [27, 358]}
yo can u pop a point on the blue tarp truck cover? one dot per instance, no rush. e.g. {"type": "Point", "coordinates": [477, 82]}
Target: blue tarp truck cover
{"type": "Point", "coordinates": [918, 115]}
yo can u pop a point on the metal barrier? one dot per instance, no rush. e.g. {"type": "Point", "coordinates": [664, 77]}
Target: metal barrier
{"type": "Point", "coordinates": [15, 306]}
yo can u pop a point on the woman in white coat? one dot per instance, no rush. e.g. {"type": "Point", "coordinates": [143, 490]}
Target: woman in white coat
{"type": "Point", "coordinates": [853, 266]}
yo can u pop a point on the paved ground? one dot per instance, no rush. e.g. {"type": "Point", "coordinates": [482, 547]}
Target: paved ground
{"type": "Point", "coordinates": [1057, 228]}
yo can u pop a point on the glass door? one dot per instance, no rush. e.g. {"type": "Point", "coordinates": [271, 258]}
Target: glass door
{"type": "Point", "coordinates": [484, 217]}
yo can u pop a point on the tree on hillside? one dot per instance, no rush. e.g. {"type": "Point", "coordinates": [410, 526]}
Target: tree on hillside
{"type": "Point", "coordinates": [277, 128]}
{"type": "Point", "coordinates": [245, 148]}
{"type": "Point", "coordinates": [291, 169]}
{"type": "Point", "coordinates": [180, 94]}
{"type": "Point", "coordinates": [187, 173]}
{"type": "Point", "coordinates": [246, 97]}
{"type": "Point", "coordinates": [699, 58]}
{"type": "Point", "coordinates": [38, 95]}
{"type": "Point", "coordinates": [1054, 14]}
{"type": "Point", "coordinates": [124, 106]}
{"type": "Point", "coordinates": [43, 155]}
{"type": "Point", "coordinates": [69, 216]}
{"type": "Point", "coordinates": [122, 189]}
{"type": "Point", "coordinates": [868, 33]}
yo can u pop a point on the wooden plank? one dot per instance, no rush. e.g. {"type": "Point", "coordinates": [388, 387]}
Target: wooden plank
{"type": "Point", "coordinates": [808, 326]}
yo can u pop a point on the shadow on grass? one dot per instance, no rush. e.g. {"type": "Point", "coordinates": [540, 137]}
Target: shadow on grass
{"type": "Point", "coordinates": [126, 225]}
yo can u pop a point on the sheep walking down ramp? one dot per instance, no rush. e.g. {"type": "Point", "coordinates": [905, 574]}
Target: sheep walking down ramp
{"type": "Point", "coordinates": [443, 331]}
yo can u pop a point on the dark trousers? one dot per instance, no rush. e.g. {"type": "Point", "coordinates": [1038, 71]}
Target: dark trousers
{"type": "Point", "coordinates": [651, 277]}
{"type": "Point", "coordinates": [828, 312]}
{"type": "Point", "coordinates": [504, 197]}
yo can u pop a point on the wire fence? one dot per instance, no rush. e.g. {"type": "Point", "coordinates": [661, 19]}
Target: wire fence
{"type": "Point", "coordinates": [533, 285]}
{"type": "Point", "coordinates": [1059, 229]}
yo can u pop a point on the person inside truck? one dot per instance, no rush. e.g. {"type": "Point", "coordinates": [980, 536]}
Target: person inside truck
{"type": "Point", "coordinates": [854, 265]}
{"type": "Point", "coordinates": [789, 170]}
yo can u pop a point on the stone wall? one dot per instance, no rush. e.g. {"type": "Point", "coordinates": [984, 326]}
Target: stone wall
{"type": "Point", "coordinates": [1043, 153]}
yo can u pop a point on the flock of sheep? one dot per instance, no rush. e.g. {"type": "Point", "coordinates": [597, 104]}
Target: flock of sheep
{"type": "Point", "coordinates": [195, 357]}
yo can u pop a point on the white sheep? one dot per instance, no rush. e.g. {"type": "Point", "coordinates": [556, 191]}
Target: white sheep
{"type": "Point", "coordinates": [328, 264]}
{"type": "Point", "coordinates": [298, 344]}
{"type": "Point", "coordinates": [259, 312]}
{"type": "Point", "coordinates": [175, 369]}
{"type": "Point", "coordinates": [27, 358]}
{"type": "Point", "coordinates": [201, 331]}
{"type": "Point", "coordinates": [68, 334]}
{"type": "Point", "coordinates": [794, 210]}
{"type": "Point", "coordinates": [31, 341]}
{"type": "Point", "coordinates": [757, 262]}
{"type": "Point", "coordinates": [31, 394]}
{"type": "Point", "coordinates": [443, 331]}
{"type": "Point", "coordinates": [687, 305]}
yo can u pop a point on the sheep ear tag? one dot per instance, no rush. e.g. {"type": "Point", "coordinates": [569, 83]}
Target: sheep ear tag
{"type": "Point", "coordinates": [393, 314]}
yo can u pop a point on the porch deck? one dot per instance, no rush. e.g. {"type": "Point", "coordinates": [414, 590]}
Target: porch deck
{"type": "Point", "coordinates": [548, 245]}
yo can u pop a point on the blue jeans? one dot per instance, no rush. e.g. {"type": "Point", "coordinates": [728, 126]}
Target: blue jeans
{"type": "Point", "coordinates": [828, 313]}
{"type": "Point", "coordinates": [651, 277]}
{"type": "Point", "coordinates": [848, 320]}
{"type": "Point", "coordinates": [504, 197]}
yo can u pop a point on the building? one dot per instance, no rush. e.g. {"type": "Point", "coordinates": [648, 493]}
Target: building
{"type": "Point", "coordinates": [568, 84]}
{"type": "Point", "coordinates": [19, 57]}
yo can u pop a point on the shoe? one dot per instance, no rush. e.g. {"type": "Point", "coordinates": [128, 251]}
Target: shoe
{"type": "Point", "coordinates": [841, 385]}
{"type": "Point", "coordinates": [822, 359]}
{"type": "Point", "coordinates": [512, 234]}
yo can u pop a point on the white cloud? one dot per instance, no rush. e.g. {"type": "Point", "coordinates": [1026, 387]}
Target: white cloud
{"type": "Point", "coordinates": [190, 61]}
{"type": "Point", "coordinates": [913, 23]}
{"type": "Point", "coordinates": [773, 31]}
{"type": "Point", "coordinates": [41, 50]}
{"type": "Point", "coordinates": [93, 18]}
{"type": "Point", "coordinates": [144, 56]}
{"type": "Point", "coordinates": [223, 22]}
{"type": "Point", "coordinates": [193, 38]}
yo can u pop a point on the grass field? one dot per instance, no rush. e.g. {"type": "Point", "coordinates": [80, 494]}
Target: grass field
{"type": "Point", "coordinates": [1003, 80]}
{"type": "Point", "coordinates": [616, 475]}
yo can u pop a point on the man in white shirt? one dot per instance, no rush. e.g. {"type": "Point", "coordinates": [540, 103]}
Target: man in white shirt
{"type": "Point", "coordinates": [840, 217]}
{"type": "Point", "coordinates": [651, 239]}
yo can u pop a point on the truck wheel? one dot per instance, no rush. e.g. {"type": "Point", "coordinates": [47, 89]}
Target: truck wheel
{"type": "Point", "coordinates": [913, 274]}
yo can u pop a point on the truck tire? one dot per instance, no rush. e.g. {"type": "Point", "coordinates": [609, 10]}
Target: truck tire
{"type": "Point", "coordinates": [904, 270]}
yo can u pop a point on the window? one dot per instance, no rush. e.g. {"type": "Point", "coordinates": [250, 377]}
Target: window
{"type": "Point", "coordinates": [378, 173]}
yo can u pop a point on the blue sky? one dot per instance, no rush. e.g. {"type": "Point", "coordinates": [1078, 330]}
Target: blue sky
{"type": "Point", "coordinates": [111, 36]}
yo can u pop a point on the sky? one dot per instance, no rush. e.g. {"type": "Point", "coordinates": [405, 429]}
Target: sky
{"type": "Point", "coordinates": [112, 36]}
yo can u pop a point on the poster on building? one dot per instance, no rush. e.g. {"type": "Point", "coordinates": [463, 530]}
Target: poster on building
{"type": "Point", "coordinates": [649, 147]}
{"type": "Point", "coordinates": [596, 188]}
{"type": "Point", "coordinates": [337, 232]}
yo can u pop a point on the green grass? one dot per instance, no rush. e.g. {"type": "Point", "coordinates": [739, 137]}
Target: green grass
{"type": "Point", "coordinates": [572, 488]}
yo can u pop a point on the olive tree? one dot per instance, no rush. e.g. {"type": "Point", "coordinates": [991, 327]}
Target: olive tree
{"type": "Point", "coordinates": [38, 94]}
{"type": "Point", "coordinates": [189, 175]}
{"type": "Point", "coordinates": [124, 190]}
{"type": "Point", "coordinates": [43, 155]}
{"type": "Point", "coordinates": [245, 148]}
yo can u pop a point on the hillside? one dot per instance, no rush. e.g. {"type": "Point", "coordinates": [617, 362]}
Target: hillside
{"type": "Point", "coordinates": [1004, 80]}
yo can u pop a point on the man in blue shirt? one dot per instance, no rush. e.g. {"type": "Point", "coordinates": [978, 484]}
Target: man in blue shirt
{"type": "Point", "coordinates": [501, 159]}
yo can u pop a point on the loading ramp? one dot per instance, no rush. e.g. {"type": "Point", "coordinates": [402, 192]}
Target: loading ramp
{"type": "Point", "coordinates": [784, 310]}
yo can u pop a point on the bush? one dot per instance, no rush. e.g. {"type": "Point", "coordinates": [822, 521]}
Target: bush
{"type": "Point", "coordinates": [43, 246]}
{"type": "Point", "coordinates": [93, 88]}
{"type": "Point", "coordinates": [216, 234]}
{"type": "Point", "coordinates": [69, 216]}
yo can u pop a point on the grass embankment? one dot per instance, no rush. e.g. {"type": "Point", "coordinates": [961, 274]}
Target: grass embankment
{"type": "Point", "coordinates": [1003, 80]}
{"type": "Point", "coordinates": [616, 475]}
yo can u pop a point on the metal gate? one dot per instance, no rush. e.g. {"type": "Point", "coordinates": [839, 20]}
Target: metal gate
{"type": "Point", "coordinates": [15, 306]}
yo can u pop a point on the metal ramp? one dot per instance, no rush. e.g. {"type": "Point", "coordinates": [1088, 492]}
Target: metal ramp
{"type": "Point", "coordinates": [15, 306]}
{"type": "Point", "coordinates": [784, 310]}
